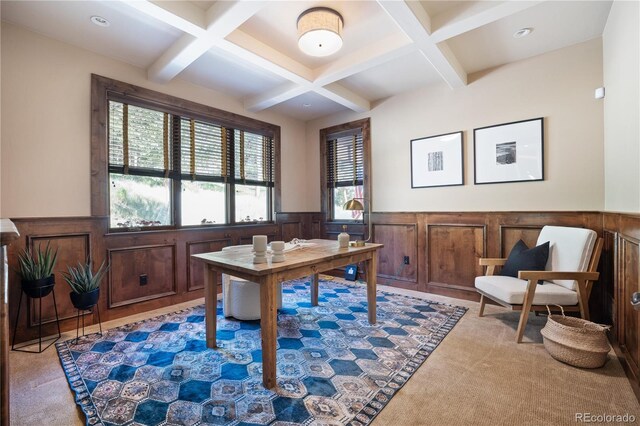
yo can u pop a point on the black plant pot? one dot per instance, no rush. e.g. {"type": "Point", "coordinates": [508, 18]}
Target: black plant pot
{"type": "Point", "coordinates": [84, 301]}
{"type": "Point", "coordinates": [39, 288]}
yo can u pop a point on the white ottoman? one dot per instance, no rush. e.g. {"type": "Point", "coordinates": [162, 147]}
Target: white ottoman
{"type": "Point", "coordinates": [241, 298]}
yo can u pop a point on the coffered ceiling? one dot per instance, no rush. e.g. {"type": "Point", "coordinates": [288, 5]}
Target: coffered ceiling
{"type": "Point", "coordinates": [248, 49]}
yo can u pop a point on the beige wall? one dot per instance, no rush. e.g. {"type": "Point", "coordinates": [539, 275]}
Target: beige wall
{"type": "Point", "coordinates": [46, 125]}
{"type": "Point", "coordinates": [558, 86]}
{"type": "Point", "coordinates": [621, 63]}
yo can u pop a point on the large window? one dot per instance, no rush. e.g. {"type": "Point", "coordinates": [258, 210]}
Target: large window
{"type": "Point", "coordinates": [345, 165]}
{"type": "Point", "coordinates": [172, 163]}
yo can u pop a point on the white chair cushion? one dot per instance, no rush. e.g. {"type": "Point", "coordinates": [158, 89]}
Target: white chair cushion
{"type": "Point", "coordinates": [511, 290]}
{"type": "Point", "coordinates": [569, 250]}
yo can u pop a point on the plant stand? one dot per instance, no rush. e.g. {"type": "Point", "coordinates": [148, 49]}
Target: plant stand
{"type": "Point", "coordinates": [52, 339]}
{"type": "Point", "coordinates": [75, 341]}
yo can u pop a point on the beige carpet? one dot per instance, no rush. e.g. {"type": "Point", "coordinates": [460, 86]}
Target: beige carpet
{"type": "Point", "coordinates": [477, 376]}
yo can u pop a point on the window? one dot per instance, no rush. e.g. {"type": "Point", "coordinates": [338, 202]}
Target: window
{"type": "Point", "coordinates": [345, 157]}
{"type": "Point", "coordinates": [167, 166]}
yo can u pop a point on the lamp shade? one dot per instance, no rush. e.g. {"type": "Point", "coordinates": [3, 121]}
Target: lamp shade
{"type": "Point", "coordinates": [353, 204]}
{"type": "Point", "coordinates": [320, 31]}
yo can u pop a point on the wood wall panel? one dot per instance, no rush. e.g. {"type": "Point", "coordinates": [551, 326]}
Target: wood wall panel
{"type": "Point", "coordinates": [452, 255]}
{"type": "Point", "coordinates": [511, 234]}
{"type": "Point", "coordinates": [316, 229]}
{"type": "Point", "coordinates": [76, 239]}
{"type": "Point", "coordinates": [399, 240]}
{"type": "Point", "coordinates": [291, 230]}
{"type": "Point", "coordinates": [195, 273]}
{"type": "Point", "coordinates": [72, 249]}
{"type": "Point", "coordinates": [629, 283]}
{"type": "Point", "coordinates": [128, 265]}
{"type": "Point", "coordinates": [602, 300]}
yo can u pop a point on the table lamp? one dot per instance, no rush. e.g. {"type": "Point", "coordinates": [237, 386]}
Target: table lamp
{"type": "Point", "coordinates": [354, 204]}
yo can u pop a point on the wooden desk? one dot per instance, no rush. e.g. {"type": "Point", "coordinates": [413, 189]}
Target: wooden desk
{"type": "Point", "coordinates": [8, 233]}
{"type": "Point", "coordinates": [323, 255]}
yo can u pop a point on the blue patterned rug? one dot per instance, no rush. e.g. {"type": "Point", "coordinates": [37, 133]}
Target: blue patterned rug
{"type": "Point", "coordinates": [333, 367]}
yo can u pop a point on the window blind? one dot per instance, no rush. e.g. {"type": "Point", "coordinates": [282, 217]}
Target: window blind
{"type": "Point", "coordinates": [345, 160]}
{"type": "Point", "coordinates": [143, 141]}
{"type": "Point", "coordinates": [138, 140]}
{"type": "Point", "coordinates": [204, 151]}
{"type": "Point", "coordinates": [253, 155]}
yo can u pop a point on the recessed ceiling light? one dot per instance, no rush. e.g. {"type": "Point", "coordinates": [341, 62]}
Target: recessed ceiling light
{"type": "Point", "coordinates": [522, 32]}
{"type": "Point", "coordinates": [306, 105]}
{"type": "Point", "coordinates": [100, 21]}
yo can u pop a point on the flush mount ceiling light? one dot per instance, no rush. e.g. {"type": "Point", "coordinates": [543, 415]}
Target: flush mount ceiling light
{"type": "Point", "coordinates": [100, 21]}
{"type": "Point", "coordinates": [320, 31]}
{"type": "Point", "coordinates": [523, 32]}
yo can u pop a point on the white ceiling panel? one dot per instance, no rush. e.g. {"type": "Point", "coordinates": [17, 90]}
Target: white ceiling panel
{"type": "Point", "coordinates": [130, 37]}
{"type": "Point", "coordinates": [556, 24]}
{"type": "Point", "coordinates": [308, 107]}
{"type": "Point", "coordinates": [217, 71]}
{"type": "Point", "coordinates": [393, 77]}
{"type": "Point", "coordinates": [434, 8]}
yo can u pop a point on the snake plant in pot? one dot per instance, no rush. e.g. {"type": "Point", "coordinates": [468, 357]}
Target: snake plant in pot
{"type": "Point", "coordinates": [36, 271]}
{"type": "Point", "coordinates": [85, 284]}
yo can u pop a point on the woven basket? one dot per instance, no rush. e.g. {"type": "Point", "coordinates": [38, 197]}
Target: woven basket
{"type": "Point", "coordinates": [575, 341]}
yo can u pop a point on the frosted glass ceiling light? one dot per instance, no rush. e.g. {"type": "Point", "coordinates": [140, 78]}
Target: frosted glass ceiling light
{"type": "Point", "coordinates": [320, 31]}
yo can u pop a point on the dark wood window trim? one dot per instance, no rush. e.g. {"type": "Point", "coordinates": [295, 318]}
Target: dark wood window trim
{"type": "Point", "coordinates": [326, 198]}
{"type": "Point", "coordinates": [103, 89]}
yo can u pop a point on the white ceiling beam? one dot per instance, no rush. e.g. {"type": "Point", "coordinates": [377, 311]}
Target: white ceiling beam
{"type": "Point", "coordinates": [377, 53]}
{"type": "Point", "coordinates": [261, 55]}
{"type": "Point", "coordinates": [470, 16]}
{"type": "Point", "coordinates": [276, 96]}
{"type": "Point", "coordinates": [221, 19]}
{"type": "Point", "coordinates": [344, 96]}
{"type": "Point", "coordinates": [416, 24]}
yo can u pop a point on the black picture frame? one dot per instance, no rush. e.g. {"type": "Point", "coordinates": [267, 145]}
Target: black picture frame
{"type": "Point", "coordinates": [509, 152]}
{"type": "Point", "coordinates": [437, 160]}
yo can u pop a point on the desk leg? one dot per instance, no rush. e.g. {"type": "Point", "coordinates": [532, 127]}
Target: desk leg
{"type": "Point", "coordinates": [314, 290]}
{"type": "Point", "coordinates": [210, 302]}
{"type": "Point", "coordinates": [268, 329]}
{"type": "Point", "coordinates": [370, 267]}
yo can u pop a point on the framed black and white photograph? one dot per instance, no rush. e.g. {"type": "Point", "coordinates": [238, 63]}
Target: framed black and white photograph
{"type": "Point", "coordinates": [437, 161]}
{"type": "Point", "coordinates": [511, 152]}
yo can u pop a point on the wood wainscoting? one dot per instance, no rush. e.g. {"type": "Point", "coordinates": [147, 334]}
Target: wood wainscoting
{"type": "Point", "coordinates": [621, 267]}
{"type": "Point", "coordinates": [148, 269]}
{"type": "Point", "coordinates": [442, 250]}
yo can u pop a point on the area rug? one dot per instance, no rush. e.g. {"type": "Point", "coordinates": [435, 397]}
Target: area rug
{"type": "Point", "coordinates": [333, 367]}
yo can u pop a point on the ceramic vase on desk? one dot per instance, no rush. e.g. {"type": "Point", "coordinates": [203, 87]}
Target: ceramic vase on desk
{"type": "Point", "coordinates": [259, 249]}
{"type": "Point", "coordinates": [343, 238]}
{"type": "Point", "coordinates": [277, 247]}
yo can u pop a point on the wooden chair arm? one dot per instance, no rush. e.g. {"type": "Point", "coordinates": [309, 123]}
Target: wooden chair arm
{"type": "Point", "coordinates": [558, 275]}
{"type": "Point", "coordinates": [487, 261]}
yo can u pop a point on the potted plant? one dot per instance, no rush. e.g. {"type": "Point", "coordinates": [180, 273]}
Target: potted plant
{"type": "Point", "coordinates": [85, 285]}
{"type": "Point", "coordinates": [36, 271]}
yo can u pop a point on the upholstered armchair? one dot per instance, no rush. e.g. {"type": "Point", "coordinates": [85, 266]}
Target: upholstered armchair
{"type": "Point", "coordinates": [567, 280]}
